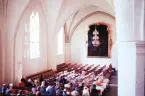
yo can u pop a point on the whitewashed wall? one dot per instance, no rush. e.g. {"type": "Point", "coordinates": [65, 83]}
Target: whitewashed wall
{"type": "Point", "coordinates": [26, 67]}
{"type": "Point", "coordinates": [79, 38]}
{"type": "Point", "coordinates": [13, 11]}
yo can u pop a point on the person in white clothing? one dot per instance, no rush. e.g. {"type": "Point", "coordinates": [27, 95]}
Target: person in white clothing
{"type": "Point", "coordinates": [86, 91]}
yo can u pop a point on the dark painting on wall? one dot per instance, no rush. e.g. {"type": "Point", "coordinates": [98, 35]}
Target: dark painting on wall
{"type": "Point", "coordinates": [98, 41]}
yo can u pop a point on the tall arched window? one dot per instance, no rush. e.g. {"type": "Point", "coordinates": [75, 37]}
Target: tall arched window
{"type": "Point", "coordinates": [34, 35]}
{"type": "Point", "coordinates": [32, 40]}
{"type": "Point", "coordinates": [61, 41]}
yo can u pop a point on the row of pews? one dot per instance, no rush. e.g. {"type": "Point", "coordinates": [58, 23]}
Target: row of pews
{"type": "Point", "coordinates": [78, 68]}
{"type": "Point", "coordinates": [98, 70]}
{"type": "Point", "coordinates": [50, 75]}
{"type": "Point", "coordinates": [89, 69]}
{"type": "Point", "coordinates": [82, 67]}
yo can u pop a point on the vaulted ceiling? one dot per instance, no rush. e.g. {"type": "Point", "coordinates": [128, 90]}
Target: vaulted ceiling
{"type": "Point", "coordinates": [58, 12]}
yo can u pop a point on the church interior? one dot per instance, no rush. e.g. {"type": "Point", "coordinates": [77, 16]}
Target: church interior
{"type": "Point", "coordinates": [72, 47]}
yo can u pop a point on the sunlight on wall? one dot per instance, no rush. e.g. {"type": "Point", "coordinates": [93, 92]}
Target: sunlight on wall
{"type": "Point", "coordinates": [60, 41]}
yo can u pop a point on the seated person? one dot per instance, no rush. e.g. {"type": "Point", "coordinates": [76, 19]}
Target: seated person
{"type": "Point", "coordinates": [4, 89]}
{"type": "Point", "coordinates": [11, 87]}
{"type": "Point", "coordinates": [94, 91]}
{"type": "Point", "coordinates": [58, 92]}
{"type": "Point", "coordinates": [47, 90]}
{"type": "Point", "coordinates": [99, 83]}
{"type": "Point", "coordinates": [52, 92]}
{"type": "Point", "coordinates": [38, 92]}
{"type": "Point", "coordinates": [36, 83]}
{"type": "Point", "coordinates": [64, 93]}
{"type": "Point", "coordinates": [30, 83]}
{"type": "Point", "coordinates": [22, 84]}
{"type": "Point", "coordinates": [110, 69]}
{"type": "Point", "coordinates": [34, 90]}
{"type": "Point", "coordinates": [24, 81]}
{"type": "Point", "coordinates": [74, 93]}
{"type": "Point", "coordinates": [42, 88]}
{"type": "Point", "coordinates": [41, 78]}
{"type": "Point", "coordinates": [86, 91]}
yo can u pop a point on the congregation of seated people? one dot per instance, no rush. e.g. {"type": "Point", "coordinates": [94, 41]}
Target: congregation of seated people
{"type": "Point", "coordinates": [81, 81]}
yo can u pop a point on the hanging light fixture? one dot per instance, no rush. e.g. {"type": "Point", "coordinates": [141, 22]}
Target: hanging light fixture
{"type": "Point", "coordinates": [95, 38]}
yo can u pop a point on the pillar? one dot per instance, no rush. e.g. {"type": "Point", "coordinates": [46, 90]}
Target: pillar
{"type": "Point", "coordinates": [3, 30]}
{"type": "Point", "coordinates": [114, 56]}
{"type": "Point", "coordinates": [67, 53]}
{"type": "Point", "coordinates": [130, 47]}
{"type": "Point", "coordinates": [140, 65]}
{"type": "Point", "coordinates": [126, 47]}
{"type": "Point", "coordinates": [126, 68]}
{"type": "Point", "coordinates": [139, 19]}
{"type": "Point", "coordinates": [140, 45]}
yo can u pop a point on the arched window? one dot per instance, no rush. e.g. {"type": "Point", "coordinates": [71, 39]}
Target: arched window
{"type": "Point", "coordinates": [34, 35]}
{"type": "Point", "coordinates": [61, 41]}
{"type": "Point", "coordinates": [32, 40]}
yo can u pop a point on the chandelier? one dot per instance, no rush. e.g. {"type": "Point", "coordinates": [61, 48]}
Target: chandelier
{"type": "Point", "coordinates": [95, 38]}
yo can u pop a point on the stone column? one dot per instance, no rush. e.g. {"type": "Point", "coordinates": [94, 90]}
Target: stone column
{"type": "Point", "coordinates": [124, 14]}
{"type": "Point", "coordinates": [139, 20]}
{"type": "Point", "coordinates": [140, 63]}
{"type": "Point", "coordinates": [126, 52]}
{"type": "Point", "coordinates": [130, 47]}
{"type": "Point", "coordinates": [126, 47]}
{"type": "Point", "coordinates": [3, 30]}
{"type": "Point", "coordinates": [114, 56]}
{"type": "Point", "coordinates": [140, 45]}
{"type": "Point", "coordinates": [144, 22]}
{"type": "Point", "coordinates": [67, 53]}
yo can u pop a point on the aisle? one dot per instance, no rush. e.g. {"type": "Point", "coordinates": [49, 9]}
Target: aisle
{"type": "Point", "coordinates": [113, 86]}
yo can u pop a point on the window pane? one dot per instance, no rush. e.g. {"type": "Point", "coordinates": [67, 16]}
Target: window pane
{"type": "Point", "coordinates": [34, 50]}
{"type": "Point", "coordinates": [34, 35]}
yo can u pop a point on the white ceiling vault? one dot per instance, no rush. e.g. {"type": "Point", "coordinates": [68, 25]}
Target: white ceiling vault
{"type": "Point", "coordinates": [82, 10]}
{"type": "Point", "coordinates": [59, 12]}
{"type": "Point", "coordinates": [72, 11]}
{"type": "Point", "coordinates": [82, 13]}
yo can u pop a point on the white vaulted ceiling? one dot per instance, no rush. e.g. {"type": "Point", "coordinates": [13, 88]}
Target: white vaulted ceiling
{"type": "Point", "coordinates": [59, 11]}
{"type": "Point", "coordinates": [72, 11]}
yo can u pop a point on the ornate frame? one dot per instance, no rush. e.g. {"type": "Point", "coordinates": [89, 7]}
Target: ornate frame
{"type": "Point", "coordinates": [109, 40]}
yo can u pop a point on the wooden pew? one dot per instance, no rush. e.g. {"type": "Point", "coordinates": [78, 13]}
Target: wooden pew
{"type": "Point", "coordinates": [45, 74]}
{"type": "Point", "coordinates": [63, 67]}
{"type": "Point", "coordinates": [82, 68]}
{"type": "Point", "coordinates": [99, 70]}
{"type": "Point", "coordinates": [60, 67]}
{"type": "Point", "coordinates": [93, 69]}
{"type": "Point", "coordinates": [88, 68]}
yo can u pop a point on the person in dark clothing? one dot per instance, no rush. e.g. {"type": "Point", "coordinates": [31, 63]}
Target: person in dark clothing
{"type": "Point", "coordinates": [62, 80]}
{"type": "Point", "coordinates": [41, 78]}
{"type": "Point", "coordinates": [94, 91]}
{"type": "Point", "coordinates": [29, 84]}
